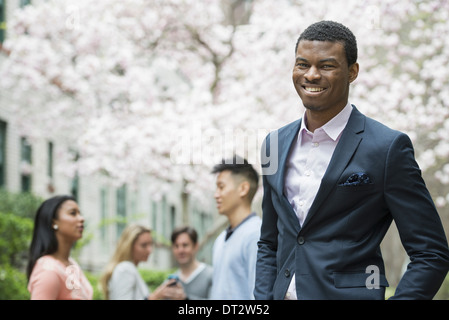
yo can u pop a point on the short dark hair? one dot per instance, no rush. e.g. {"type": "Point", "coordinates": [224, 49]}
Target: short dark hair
{"type": "Point", "coordinates": [240, 166]}
{"type": "Point", "coordinates": [334, 32]}
{"type": "Point", "coordinates": [191, 232]}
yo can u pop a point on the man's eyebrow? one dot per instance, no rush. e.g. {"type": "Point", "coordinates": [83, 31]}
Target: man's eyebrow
{"type": "Point", "coordinates": [333, 60]}
{"type": "Point", "coordinates": [329, 60]}
{"type": "Point", "coordinates": [301, 59]}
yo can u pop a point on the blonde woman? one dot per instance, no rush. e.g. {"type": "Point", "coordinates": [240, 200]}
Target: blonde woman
{"type": "Point", "coordinates": [121, 279]}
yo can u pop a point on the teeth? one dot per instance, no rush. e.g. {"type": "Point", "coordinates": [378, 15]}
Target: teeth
{"type": "Point", "coordinates": [314, 89]}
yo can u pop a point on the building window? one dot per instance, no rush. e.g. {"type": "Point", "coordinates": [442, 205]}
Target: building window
{"type": "Point", "coordinates": [154, 216]}
{"type": "Point", "coordinates": [24, 3]}
{"type": "Point", "coordinates": [74, 187]}
{"type": "Point", "coordinates": [164, 215]}
{"type": "Point", "coordinates": [50, 160]}
{"type": "Point", "coordinates": [2, 21]}
{"type": "Point", "coordinates": [202, 226]}
{"type": "Point", "coordinates": [75, 183]}
{"type": "Point", "coordinates": [2, 153]}
{"type": "Point", "coordinates": [121, 209]}
{"type": "Point", "coordinates": [104, 213]}
{"type": "Point", "coordinates": [25, 164]}
{"type": "Point", "coordinates": [172, 220]}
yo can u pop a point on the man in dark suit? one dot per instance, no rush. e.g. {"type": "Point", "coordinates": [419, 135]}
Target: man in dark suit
{"type": "Point", "coordinates": [341, 179]}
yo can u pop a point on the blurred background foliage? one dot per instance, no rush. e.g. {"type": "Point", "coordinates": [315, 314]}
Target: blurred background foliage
{"type": "Point", "coordinates": [16, 228]}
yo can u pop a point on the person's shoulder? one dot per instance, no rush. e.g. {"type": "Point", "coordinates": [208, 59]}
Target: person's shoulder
{"type": "Point", "coordinates": [124, 271]}
{"type": "Point", "coordinates": [221, 236]}
{"type": "Point", "coordinates": [383, 135]}
{"type": "Point", "coordinates": [255, 220]}
{"type": "Point", "coordinates": [49, 263]}
{"type": "Point", "coordinates": [125, 266]}
{"type": "Point", "coordinates": [251, 227]}
{"type": "Point", "coordinates": [376, 125]}
{"type": "Point", "coordinates": [46, 259]}
{"type": "Point", "coordinates": [208, 268]}
{"type": "Point", "coordinates": [47, 273]}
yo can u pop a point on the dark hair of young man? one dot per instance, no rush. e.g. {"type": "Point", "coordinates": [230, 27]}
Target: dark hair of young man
{"type": "Point", "coordinates": [333, 32]}
{"type": "Point", "coordinates": [191, 232]}
{"type": "Point", "coordinates": [240, 167]}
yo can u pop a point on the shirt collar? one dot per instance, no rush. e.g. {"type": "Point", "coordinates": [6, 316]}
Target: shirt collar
{"type": "Point", "coordinates": [230, 230]}
{"type": "Point", "coordinates": [334, 126]}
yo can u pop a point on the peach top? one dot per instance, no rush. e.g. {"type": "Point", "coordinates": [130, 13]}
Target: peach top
{"type": "Point", "coordinates": [52, 280]}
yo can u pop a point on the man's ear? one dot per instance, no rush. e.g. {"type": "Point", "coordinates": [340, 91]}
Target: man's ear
{"type": "Point", "coordinates": [353, 72]}
{"type": "Point", "coordinates": [244, 189]}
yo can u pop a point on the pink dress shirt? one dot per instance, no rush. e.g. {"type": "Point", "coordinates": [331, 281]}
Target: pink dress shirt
{"type": "Point", "coordinates": [52, 280]}
{"type": "Point", "coordinates": [306, 164]}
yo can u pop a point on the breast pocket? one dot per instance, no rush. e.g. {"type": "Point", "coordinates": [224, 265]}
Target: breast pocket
{"type": "Point", "coordinates": [368, 188]}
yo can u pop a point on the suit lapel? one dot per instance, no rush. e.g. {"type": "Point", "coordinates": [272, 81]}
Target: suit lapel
{"type": "Point", "coordinates": [343, 153]}
{"type": "Point", "coordinates": [285, 141]}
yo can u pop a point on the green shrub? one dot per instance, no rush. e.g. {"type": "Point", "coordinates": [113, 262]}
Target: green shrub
{"type": "Point", "coordinates": [443, 293]}
{"type": "Point", "coordinates": [94, 281]}
{"type": "Point", "coordinates": [21, 204]}
{"type": "Point", "coordinates": [13, 284]}
{"type": "Point", "coordinates": [17, 212]}
{"type": "Point", "coordinates": [154, 278]}
{"type": "Point", "coordinates": [15, 237]}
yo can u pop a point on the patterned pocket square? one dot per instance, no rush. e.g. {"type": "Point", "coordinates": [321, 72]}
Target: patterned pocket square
{"type": "Point", "coordinates": [357, 179]}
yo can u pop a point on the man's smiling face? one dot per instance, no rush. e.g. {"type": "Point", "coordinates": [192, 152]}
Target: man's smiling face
{"type": "Point", "coordinates": [321, 75]}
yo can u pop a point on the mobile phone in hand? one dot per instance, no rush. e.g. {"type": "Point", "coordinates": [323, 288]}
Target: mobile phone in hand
{"type": "Point", "coordinates": [173, 276]}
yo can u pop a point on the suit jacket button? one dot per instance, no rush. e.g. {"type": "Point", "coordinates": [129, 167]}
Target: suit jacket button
{"type": "Point", "coordinates": [301, 240]}
{"type": "Point", "coordinates": [287, 273]}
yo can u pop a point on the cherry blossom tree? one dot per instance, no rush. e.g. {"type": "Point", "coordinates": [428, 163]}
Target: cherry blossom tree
{"type": "Point", "coordinates": [166, 88]}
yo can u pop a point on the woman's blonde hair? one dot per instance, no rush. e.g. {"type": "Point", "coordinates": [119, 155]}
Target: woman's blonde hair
{"type": "Point", "coordinates": [123, 252]}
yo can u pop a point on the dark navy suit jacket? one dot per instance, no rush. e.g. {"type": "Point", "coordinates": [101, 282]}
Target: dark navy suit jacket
{"type": "Point", "coordinates": [372, 179]}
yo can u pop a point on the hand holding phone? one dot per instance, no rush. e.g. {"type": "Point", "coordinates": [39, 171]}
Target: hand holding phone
{"type": "Point", "coordinates": [175, 277]}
